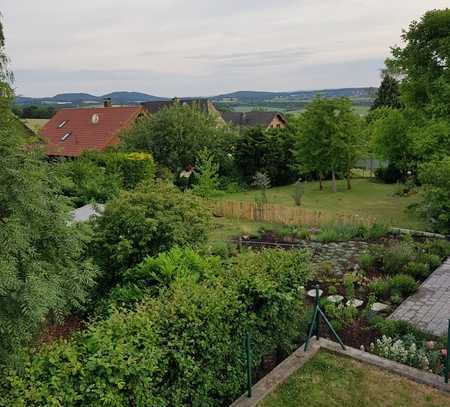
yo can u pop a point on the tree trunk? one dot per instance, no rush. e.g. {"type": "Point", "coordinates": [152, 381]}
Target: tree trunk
{"type": "Point", "coordinates": [333, 177]}
{"type": "Point", "coordinates": [320, 182]}
{"type": "Point", "coordinates": [349, 180]}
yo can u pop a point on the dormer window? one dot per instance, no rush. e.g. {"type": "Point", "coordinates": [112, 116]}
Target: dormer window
{"type": "Point", "coordinates": [62, 124]}
{"type": "Point", "coordinates": [66, 136]}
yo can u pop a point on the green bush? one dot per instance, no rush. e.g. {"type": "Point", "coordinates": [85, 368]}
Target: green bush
{"type": "Point", "coordinates": [438, 247]}
{"type": "Point", "coordinates": [402, 285]}
{"type": "Point", "coordinates": [396, 257]}
{"type": "Point", "coordinates": [418, 270]}
{"type": "Point", "coordinates": [342, 232]}
{"type": "Point", "coordinates": [380, 288]}
{"type": "Point", "coordinates": [145, 222]}
{"type": "Point", "coordinates": [366, 261]}
{"type": "Point", "coordinates": [399, 285]}
{"type": "Point", "coordinates": [99, 176]}
{"type": "Point", "coordinates": [183, 348]}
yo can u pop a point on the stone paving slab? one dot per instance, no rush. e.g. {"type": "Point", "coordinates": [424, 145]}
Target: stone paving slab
{"type": "Point", "coordinates": [429, 308]}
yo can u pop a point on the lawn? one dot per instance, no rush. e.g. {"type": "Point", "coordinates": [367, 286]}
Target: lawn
{"type": "Point", "coordinates": [367, 198]}
{"type": "Point", "coordinates": [35, 124]}
{"type": "Point", "coordinates": [329, 380]}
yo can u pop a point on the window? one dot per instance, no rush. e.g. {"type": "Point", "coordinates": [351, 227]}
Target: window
{"type": "Point", "coordinates": [66, 136]}
{"type": "Point", "coordinates": [62, 124]}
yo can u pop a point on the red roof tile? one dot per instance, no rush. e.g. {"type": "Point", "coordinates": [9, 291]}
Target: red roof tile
{"type": "Point", "coordinates": [86, 129]}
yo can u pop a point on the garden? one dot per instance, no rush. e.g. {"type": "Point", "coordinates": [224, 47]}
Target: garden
{"type": "Point", "coordinates": [150, 302]}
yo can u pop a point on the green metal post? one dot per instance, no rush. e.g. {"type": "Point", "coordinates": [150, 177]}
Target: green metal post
{"type": "Point", "coordinates": [447, 359]}
{"type": "Point", "coordinates": [317, 307]}
{"type": "Point", "coordinates": [248, 352]}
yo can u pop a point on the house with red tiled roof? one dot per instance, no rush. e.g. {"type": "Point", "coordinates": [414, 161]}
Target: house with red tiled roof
{"type": "Point", "coordinates": [71, 131]}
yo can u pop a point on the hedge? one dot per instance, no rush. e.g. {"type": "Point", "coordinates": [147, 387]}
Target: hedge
{"type": "Point", "coordinates": [183, 347]}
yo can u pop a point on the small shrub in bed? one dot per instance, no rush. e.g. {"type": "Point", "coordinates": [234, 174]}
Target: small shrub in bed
{"type": "Point", "coordinates": [402, 285]}
{"type": "Point", "coordinates": [399, 285]}
{"type": "Point", "coordinates": [438, 247]}
{"type": "Point", "coordinates": [366, 261]}
{"type": "Point", "coordinates": [395, 258]}
{"type": "Point", "coordinates": [342, 232]}
{"type": "Point", "coordinates": [380, 288]}
{"type": "Point", "coordinates": [418, 270]}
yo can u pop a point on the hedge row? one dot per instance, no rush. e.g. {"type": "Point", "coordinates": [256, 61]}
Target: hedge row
{"type": "Point", "coordinates": [180, 347]}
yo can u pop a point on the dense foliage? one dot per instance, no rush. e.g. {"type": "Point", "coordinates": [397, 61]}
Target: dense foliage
{"type": "Point", "coordinates": [34, 112]}
{"type": "Point", "coordinates": [268, 151]}
{"type": "Point", "coordinates": [43, 273]}
{"type": "Point", "coordinates": [144, 222]}
{"type": "Point", "coordinates": [329, 139]}
{"type": "Point", "coordinates": [183, 347]}
{"type": "Point", "coordinates": [99, 176]}
{"type": "Point", "coordinates": [435, 175]}
{"type": "Point", "coordinates": [176, 134]}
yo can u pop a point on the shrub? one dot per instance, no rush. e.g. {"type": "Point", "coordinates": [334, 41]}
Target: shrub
{"type": "Point", "coordinates": [438, 247]}
{"type": "Point", "coordinates": [342, 232]}
{"type": "Point", "coordinates": [299, 190]}
{"type": "Point", "coordinates": [389, 174]}
{"type": "Point", "coordinates": [340, 316]}
{"type": "Point", "coordinates": [403, 285]}
{"type": "Point", "coordinates": [182, 348]}
{"type": "Point", "coordinates": [397, 257]}
{"type": "Point", "coordinates": [143, 223]}
{"type": "Point", "coordinates": [366, 261]}
{"type": "Point", "coordinates": [418, 270]}
{"type": "Point", "coordinates": [435, 208]}
{"type": "Point", "coordinates": [206, 175]}
{"type": "Point", "coordinates": [380, 288]}
{"type": "Point", "coordinates": [99, 176]}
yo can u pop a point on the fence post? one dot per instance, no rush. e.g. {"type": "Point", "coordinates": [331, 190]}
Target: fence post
{"type": "Point", "coordinates": [447, 359]}
{"type": "Point", "coordinates": [248, 352]}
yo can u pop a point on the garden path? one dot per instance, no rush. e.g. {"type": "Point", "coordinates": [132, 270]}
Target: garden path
{"type": "Point", "coordinates": [429, 308]}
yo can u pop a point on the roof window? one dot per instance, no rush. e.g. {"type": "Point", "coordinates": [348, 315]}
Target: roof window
{"type": "Point", "coordinates": [66, 136]}
{"type": "Point", "coordinates": [62, 124]}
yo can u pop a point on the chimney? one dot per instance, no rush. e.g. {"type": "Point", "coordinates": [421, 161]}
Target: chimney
{"type": "Point", "coordinates": [107, 102]}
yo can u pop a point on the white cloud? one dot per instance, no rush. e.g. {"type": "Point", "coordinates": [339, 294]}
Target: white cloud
{"type": "Point", "coordinates": [187, 47]}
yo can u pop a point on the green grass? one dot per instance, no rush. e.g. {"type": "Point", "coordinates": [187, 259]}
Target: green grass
{"type": "Point", "coordinates": [367, 199]}
{"type": "Point", "coordinates": [331, 381]}
{"type": "Point", "coordinates": [35, 124]}
{"type": "Point", "coordinates": [224, 229]}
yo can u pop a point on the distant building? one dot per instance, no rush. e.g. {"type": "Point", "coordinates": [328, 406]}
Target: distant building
{"type": "Point", "coordinates": [71, 131]}
{"type": "Point", "coordinates": [267, 120]}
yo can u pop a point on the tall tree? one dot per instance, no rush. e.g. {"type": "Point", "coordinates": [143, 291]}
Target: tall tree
{"type": "Point", "coordinates": [328, 139]}
{"type": "Point", "coordinates": [176, 134]}
{"type": "Point", "coordinates": [424, 63]}
{"type": "Point", "coordinates": [388, 94]}
{"type": "Point", "coordinates": [42, 269]}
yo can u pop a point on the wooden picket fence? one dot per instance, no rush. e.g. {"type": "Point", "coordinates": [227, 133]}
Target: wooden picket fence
{"type": "Point", "coordinates": [285, 215]}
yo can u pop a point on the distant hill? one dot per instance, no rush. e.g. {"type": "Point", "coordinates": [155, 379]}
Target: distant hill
{"type": "Point", "coordinates": [296, 96]}
{"type": "Point", "coordinates": [86, 99]}
{"type": "Point", "coordinates": [238, 101]}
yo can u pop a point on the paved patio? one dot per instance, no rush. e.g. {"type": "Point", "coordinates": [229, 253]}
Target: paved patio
{"type": "Point", "coordinates": [429, 308]}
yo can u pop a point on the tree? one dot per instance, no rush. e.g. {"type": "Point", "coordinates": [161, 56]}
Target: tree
{"type": "Point", "coordinates": [268, 151]}
{"type": "Point", "coordinates": [328, 139]}
{"type": "Point", "coordinates": [206, 175]}
{"type": "Point", "coordinates": [435, 175]}
{"type": "Point", "coordinates": [392, 140]}
{"type": "Point", "coordinates": [144, 222]}
{"type": "Point", "coordinates": [423, 63]}
{"type": "Point", "coordinates": [388, 94]}
{"type": "Point", "coordinates": [176, 134]}
{"type": "Point", "coordinates": [43, 270]}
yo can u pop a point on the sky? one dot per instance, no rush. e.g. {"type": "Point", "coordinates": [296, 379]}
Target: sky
{"type": "Point", "coordinates": [202, 47]}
